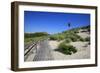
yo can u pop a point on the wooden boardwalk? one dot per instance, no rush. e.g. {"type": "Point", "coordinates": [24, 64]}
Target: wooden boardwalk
{"type": "Point", "coordinates": [44, 52]}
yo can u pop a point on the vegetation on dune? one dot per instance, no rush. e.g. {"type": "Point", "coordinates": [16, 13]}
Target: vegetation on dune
{"type": "Point", "coordinates": [74, 30]}
{"type": "Point", "coordinates": [37, 34]}
{"type": "Point", "coordinates": [67, 40]}
{"type": "Point", "coordinates": [29, 40]}
{"type": "Point", "coordinates": [33, 37]}
{"type": "Point", "coordinates": [66, 49]}
{"type": "Point", "coordinates": [87, 39]}
{"type": "Point", "coordinates": [57, 37]}
{"type": "Point", "coordinates": [86, 27]}
{"type": "Point", "coordinates": [67, 37]}
{"type": "Point", "coordinates": [70, 35]}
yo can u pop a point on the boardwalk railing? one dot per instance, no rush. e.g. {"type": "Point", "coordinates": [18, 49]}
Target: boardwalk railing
{"type": "Point", "coordinates": [29, 48]}
{"type": "Point", "coordinates": [32, 48]}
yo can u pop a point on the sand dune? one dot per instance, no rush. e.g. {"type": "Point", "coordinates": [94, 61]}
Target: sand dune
{"type": "Point", "coordinates": [82, 47]}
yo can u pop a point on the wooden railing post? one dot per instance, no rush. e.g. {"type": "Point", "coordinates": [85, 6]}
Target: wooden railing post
{"type": "Point", "coordinates": [36, 47]}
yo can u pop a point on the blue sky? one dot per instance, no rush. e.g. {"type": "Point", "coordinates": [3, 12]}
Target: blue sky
{"type": "Point", "coordinates": [53, 22]}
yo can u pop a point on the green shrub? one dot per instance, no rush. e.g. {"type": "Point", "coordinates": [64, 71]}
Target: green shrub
{"type": "Point", "coordinates": [75, 30]}
{"type": "Point", "coordinates": [60, 37]}
{"type": "Point", "coordinates": [37, 34]}
{"type": "Point", "coordinates": [72, 36]}
{"type": "Point", "coordinates": [87, 39]}
{"type": "Point", "coordinates": [67, 40]}
{"type": "Point", "coordinates": [57, 37]}
{"type": "Point", "coordinates": [66, 49]}
{"type": "Point", "coordinates": [81, 39]}
{"type": "Point", "coordinates": [53, 38]}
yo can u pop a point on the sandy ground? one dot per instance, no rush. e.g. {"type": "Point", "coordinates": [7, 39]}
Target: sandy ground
{"type": "Point", "coordinates": [84, 34]}
{"type": "Point", "coordinates": [54, 44]}
{"type": "Point", "coordinates": [82, 47]}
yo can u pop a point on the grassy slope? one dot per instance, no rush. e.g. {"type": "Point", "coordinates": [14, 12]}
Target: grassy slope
{"type": "Point", "coordinates": [34, 37]}
{"type": "Point", "coordinates": [70, 36]}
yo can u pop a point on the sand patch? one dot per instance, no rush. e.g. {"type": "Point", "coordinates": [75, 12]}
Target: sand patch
{"type": "Point", "coordinates": [54, 44]}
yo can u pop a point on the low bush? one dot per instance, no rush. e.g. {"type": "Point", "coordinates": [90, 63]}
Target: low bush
{"type": "Point", "coordinates": [37, 34]}
{"type": "Point", "coordinates": [66, 49]}
{"type": "Point", "coordinates": [81, 39]}
{"type": "Point", "coordinates": [87, 39]}
{"type": "Point", "coordinates": [67, 40]}
{"type": "Point", "coordinates": [72, 36]}
{"type": "Point", "coordinates": [57, 37]}
{"type": "Point", "coordinates": [53, 38]}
